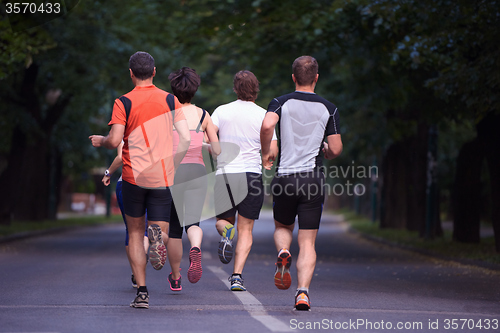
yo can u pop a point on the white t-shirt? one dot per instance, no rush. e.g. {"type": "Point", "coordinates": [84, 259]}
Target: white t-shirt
{"type": "Point", "coordinates": [239, 124]}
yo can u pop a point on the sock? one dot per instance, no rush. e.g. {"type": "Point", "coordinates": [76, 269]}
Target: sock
{"type": "Point", "coordinates": [142, 289]}
{"type": "Point", "coordinates": [303, 289]}
{"type": "Point", "coordinates": [196, 249]}
{"type": "Point", "coordinates": [237, 275]}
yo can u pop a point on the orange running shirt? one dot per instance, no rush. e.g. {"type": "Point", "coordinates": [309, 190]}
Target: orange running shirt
{"type": "Point", "coordinates": [147, 150]}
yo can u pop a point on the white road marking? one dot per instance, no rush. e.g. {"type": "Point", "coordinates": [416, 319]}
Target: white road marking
{"type": "Point", "coordinates": [252, 304]}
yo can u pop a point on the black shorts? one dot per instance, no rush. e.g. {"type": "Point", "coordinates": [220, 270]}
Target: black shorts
{"type": "Point", "coordinates": [189, 192]}
{"type": "Point", "coordinates": [299, 194]}
{"type": "Point", "coordinates": [137, 199]}
{"type": "Point", "coordinates": [238, 192]}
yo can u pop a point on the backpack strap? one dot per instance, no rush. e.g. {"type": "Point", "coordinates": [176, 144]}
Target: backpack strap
{"type": "Point", "coordinates": [127, 104]}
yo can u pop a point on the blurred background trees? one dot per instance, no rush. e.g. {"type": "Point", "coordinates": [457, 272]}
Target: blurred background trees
{"type": "Point", "coordinates": [416, 83]}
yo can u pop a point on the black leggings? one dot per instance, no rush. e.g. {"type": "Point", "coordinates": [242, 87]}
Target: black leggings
{"type": "Point", "coordinates": [188, 192]}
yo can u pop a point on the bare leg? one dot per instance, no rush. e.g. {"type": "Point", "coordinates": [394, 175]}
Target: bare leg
{"type": "Point", "coordinates": [195, 236]}
{"type": "Point", "coordinates": [136, 226]}
{"type": "Point", "coordinates": [306, 261]}
{"type": "Point", "coordinates": [146, 244]}
{"type": "Point", "coordinates": [164, 229]}
{"type": "Point", "coordinates": [221, 223]}
{"type": "Point", "coordinates": [244, 244]}
{"type": "Point", "coordinates": [283, 235]}
{"type": "Point", "coordinates": [174, 249]}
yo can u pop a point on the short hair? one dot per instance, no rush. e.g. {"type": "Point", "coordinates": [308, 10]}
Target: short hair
{"type": "Point", "coordinates": [305, 69]}
{"type": "Point", "coordinates": [246, 85]}
{"type": "Point", "coordinates": [184, 83]}
{"type": "Point", "coordinates": [142, 65]}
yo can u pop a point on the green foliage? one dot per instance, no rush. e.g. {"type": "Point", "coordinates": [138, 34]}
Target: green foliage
{"type": "Point", "coordinates": [442, 247]}
{"type": "Point", "coordinates": [388, 65]}
{"type": "Point", "coordinates": [19, 48]}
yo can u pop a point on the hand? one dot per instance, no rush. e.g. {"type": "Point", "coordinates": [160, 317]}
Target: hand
{"type": "Point", "coordinates": [268, 161]}
{"type": "Point", "coordinates": [326, 151]}
{"type": "Point", "coordinates": [106, 180]}
{"type": "Point", "coordinates": [96, 140]}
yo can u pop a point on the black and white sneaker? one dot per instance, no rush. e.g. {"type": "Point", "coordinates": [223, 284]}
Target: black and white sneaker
{"type": "Point", "coordinates": [134, 282]}
{"type": "Point", "coordinates": [141, 301]}
{"type": "Point", "coordinates": [237, 283]}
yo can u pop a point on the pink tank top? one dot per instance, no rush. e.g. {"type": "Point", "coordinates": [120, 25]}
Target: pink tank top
{"type": "Point", "coordinates": [194, 153]}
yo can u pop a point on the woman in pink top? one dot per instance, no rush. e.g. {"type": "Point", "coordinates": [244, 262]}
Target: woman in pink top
{"type": "Point", "coordinates": [190, 183]}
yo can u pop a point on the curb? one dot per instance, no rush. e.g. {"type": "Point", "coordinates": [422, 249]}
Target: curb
{"type": "Point", "coordinates": [37, 233]}
{"type": "Point", "coordinates": [32, 234]}
{"type": "Point", "coordinates": [469, 262]}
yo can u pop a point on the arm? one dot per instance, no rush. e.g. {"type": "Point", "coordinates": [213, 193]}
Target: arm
{"type": "Point", "coordinates": [211, 132]}
{"type": "Point", "coordinates": [182, 129]}
{"type": "Point", "coordinates": [269, 151]}
{"type": "Point", "coordinates": [333, 147]}
{"type": "Point", "coordinates": [112, 140]}
{"type": "Point", "coordinates": [117, 162]}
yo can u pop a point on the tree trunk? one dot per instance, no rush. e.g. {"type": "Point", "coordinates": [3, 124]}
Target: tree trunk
{"type": "Point", "coordinates": [26, 181]}
{"type": "Point", "coordinates": [467, 193]}
{"type": "Point", "coordinates": [9, 179]}
{"type": "Point", "coordinates": [394, 203]}
{"type": "Point", "coordinates": [403, 183]}
{"type": "Point", "coordinates": [489, 135]}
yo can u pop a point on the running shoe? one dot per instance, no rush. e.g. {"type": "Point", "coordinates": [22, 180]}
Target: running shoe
{"type": "Point", "coordinates": [226, 245]}
{"type": "Point", "coordinates": [236, 283]}
{"type": "Point", "coordinates": [134, 282]}
{"type": "Point", "coordinates": [157, 250]}
{"type": "Point", "coordinates": [302, 301]}
{"type": "Point", "coordinates": [194, 270]}
{"type": "Point", "coordinates": [141, 301]}
{"type": "Point", "coordinates": [282, 277]}
{"type": "Point", "coordinates": [175, 285]}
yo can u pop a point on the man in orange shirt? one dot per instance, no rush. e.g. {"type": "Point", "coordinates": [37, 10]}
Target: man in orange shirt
{"type": "Point", "coordinates": [144, 118]}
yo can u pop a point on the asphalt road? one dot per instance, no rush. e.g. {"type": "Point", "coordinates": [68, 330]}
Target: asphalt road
{"type": "Point", "coordinates": [79, 281]}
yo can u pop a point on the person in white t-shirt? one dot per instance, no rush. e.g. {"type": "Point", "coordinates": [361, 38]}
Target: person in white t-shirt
{"type": "Point", "coordinates": [238, 181]}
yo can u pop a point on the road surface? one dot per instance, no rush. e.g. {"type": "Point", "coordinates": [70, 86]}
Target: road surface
{"type": "Point", "coordinates": [79, 281]}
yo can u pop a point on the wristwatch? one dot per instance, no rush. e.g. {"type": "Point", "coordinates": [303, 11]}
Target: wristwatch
{"type": "Point", "coordinates": [106, 173]}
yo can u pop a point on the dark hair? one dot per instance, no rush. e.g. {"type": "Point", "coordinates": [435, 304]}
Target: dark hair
{"type": "Point", "coordinates": [142, 65]}
{"type": "Point", "coordinates": [184, 83]}
{"type": "Point", "coordinates": [305, 69]}
{"type": "Point", "coordinates": [246, 85]}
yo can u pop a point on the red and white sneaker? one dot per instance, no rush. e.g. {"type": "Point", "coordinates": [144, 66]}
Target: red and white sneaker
{"type": "Point", "coordinates": [282, 277]}
{"type": "Point", "coordinates": [302, 301]}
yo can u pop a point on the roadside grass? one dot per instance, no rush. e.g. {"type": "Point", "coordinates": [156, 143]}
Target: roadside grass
{"type": "Point", "coordinates": [442, 246]}
{"type": "Point", "coordinates": [19, 227]}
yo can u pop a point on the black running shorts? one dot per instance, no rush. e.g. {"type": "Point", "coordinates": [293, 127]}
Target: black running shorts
{"type": "Point", "coordinates": [299, 194]}
{"type": "Point", "coordinates": [238, 192]}
{"type": "Point", "coordinates": [137, 199]}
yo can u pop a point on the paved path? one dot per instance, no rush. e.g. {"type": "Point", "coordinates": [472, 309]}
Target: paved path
{"type": "Point", "coordinates": [79, 281]}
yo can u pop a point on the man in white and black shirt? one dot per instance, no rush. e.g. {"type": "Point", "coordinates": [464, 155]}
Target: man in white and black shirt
{"type": "Point", "coordinates": [303, 120]}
